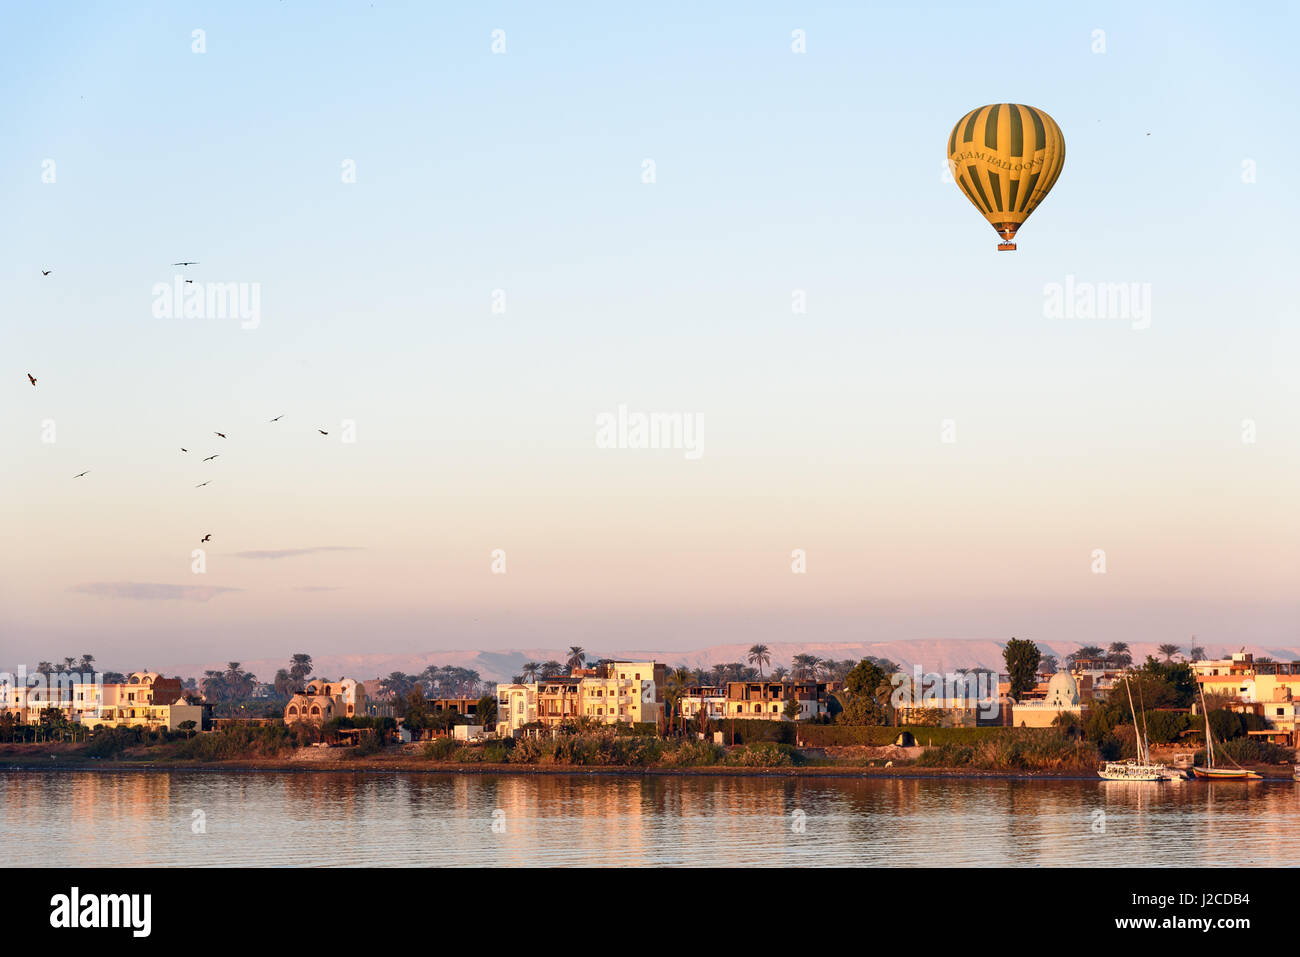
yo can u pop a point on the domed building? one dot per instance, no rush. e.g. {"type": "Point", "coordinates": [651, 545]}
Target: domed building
{"type": "Point", "coordinates": [1062, 698]}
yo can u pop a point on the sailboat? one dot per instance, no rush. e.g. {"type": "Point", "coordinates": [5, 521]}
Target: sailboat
{"type": "Point", "coordinates": [1140, 769]}
{"type": "Point", "coordinates": [1210, 772]}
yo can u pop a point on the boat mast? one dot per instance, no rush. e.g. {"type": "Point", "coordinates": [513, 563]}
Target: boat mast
{"type": "Point", "coordinates": [1209, 741]}
{"type": "Point", "coordinates": [1136, 730]}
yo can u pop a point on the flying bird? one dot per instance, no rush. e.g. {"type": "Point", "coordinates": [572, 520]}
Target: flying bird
{"type": "Point", "coordinates": [80, 474]}
{"type": "Point", "coordinates": [278, 418]}
{"type": "Point", "coordinates": [222, 434]}
{"type": "Point", "coordinates": [186, 263]}
{"type": "Point", "coordinates": [205, 538]}
{"type": "Point", "coordinates": [190, 281]}
{"type": "Point", "coordinates": [184, 450]}
{"type": "Point", "coordinates": [211, 457]}
{"type": "Point", "coordinates": [46, 272]}
{"type": "Point", "coordinates": [201, 484]}
{"type": "Point", "coordinates": [322, 432]}
{"type": "Point", "coordinates": [33, 378]}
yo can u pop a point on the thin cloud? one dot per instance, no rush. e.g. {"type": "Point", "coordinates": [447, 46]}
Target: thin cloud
{"type": "Point", "coordinates": [295, 552]}
{"type": "Point", "coordinates": [319, 588]}
{"type": "Point", "coordinates": [151, 591]}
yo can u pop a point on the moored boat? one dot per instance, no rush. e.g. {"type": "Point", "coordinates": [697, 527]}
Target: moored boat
{"type": "Point", "coordinates": [1210, 772]}
{"type": "Point", "coordinates": [1131, 770]}
{"type": "Point", "coordinates": [1141, 768]}
{"type": "Point", "coordinates": [1226, 774]}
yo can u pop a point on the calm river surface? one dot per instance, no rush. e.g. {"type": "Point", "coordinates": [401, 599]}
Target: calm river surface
{"type": "Point", "coordinates": [104, 818]}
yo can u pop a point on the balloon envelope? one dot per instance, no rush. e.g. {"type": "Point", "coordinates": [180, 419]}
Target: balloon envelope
{"type": "Point", "coordinates": [1006, 157]}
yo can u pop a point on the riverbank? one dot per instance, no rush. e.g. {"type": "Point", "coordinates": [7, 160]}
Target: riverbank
{"type": "Point", "coordinates": [409, 760]}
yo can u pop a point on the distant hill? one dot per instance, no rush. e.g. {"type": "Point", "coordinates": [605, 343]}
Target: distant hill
{"type": "Point", "coordinates": [939, 654]}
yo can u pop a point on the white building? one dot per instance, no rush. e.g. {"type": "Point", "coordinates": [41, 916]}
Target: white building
{"type": "Point", "coordinates": [516, 707]}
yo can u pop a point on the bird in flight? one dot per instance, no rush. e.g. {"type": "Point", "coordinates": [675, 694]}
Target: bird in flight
{"type": "Point", "coordinates": [211, 457]}
{"type": "Point", "coordinates": [322, 432]}
{"type": "Point", "coordinates": [186, 263]}
{"type": "Point", "coordinates": [278, 418]}
{"type": "Point", "coordinates": [201, 484]}
{"type": "Point", "coordinates": [190, 281]}
{"type": "Point", "coordinates": [184, 450]}
{"type": "Point", "coordinates": [33, 378]}
{"type": "Point", "coordinates": [46, 272]}
{"type": "Point", "coordinates": [222, 434]}
{"type": "Point", "coordinates": [80, 474]}
{"type": "Point", "coordinates": [205, 538]}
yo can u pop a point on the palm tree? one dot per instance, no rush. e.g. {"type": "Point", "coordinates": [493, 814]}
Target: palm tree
{"type": "Point", "coordinates": [397, 684]}
{"type": "Point", "coordinates": [678, 679]}
{"type": "Point", "coordinates": [804, 665]}
{"type": "Point", "coordinates": [780, 672]}
{"type": "Point", "coordinates": [530, 670]}
{"type": "Point", "coordinates": [214, 685]}
{"type": "Point", "coordinates": [759, 655]}
{"type": "Point", "coordinates": [1168, 651]}
{"type": "Point", "coordinates": [1196, 653]}
{"type": "Point", "coordinates": [577, 657]}
{"type": "Point", "coordinates": [1118, 654]}
{"type": "Point", "coordinates": [299, 669]}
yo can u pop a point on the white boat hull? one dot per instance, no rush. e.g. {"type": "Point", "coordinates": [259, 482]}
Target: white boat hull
{"type": "Point", "coordinates": [1132, 771]}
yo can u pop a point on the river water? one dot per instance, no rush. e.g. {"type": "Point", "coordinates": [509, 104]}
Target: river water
{"type": "Point", "coordinates": [196, 818]}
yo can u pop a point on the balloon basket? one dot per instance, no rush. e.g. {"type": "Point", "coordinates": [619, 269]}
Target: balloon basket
{"type": "Point", "coordinates": [1005, 246]}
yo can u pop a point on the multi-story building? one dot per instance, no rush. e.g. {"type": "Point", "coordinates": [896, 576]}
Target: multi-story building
{"type": "Point", "coordinates": [24, 703]}
{"type": "Point", "coordinates": [709, 699]}
{"type": "Point", "coordinates": [145, 699]}
{"type": "Point", "coordinates": [516, 707]}
{"type": "Point", "coordinates": [559, 700]}
{"type": "Point", "coordinates": [321, 701]}
{"type": "Point", "coordinates": [623, 692]}
{"type": "Point", "coordinates": [766, 700]}
{"type": "Point", "coordinates": [611, 692]}
{"type": "Point", "coordinates": [1270, 689]}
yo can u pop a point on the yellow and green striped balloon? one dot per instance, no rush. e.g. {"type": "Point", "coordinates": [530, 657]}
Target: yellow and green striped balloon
{"type": "Point", "coordinates": [1006, 157]}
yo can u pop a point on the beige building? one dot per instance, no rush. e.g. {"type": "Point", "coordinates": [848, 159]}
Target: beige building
{"type": "Point", "coordinates": [708, 699]}
{"type": "Point", "coordinates": [766, 700]}
{"type": "Point", "coordinates": [146, 699]}
{"type": "Point", "coordinates": [622, 692]}
{"type": "Point", "coordinates": [25, 703]}
{"type": "Point", "coordinates": [321, 701]}
{"type": "Point", "coordinates": [516, 707]}
{"type": "Point", "coordinates": [1062, 697]}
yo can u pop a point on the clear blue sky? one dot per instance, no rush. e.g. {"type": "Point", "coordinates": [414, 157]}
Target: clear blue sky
{"type": "Point", "coordinates": [522, 171]}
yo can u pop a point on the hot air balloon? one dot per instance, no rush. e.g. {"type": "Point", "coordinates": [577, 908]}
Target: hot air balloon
{"type": "Point", "coordinates": [1006, 158]}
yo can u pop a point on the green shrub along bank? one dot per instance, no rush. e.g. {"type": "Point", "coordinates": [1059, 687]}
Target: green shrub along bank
{"type": "Point", "coordinates": [751, 731]}
{"type": "Point", "coordinates": [608, 749]}
{"type": "Point", "coordinates": [241, 741]}
{"type": "Point", "coordinates": [1028, 749]}
{"type": "Point", "coordinates": [841, 735]}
